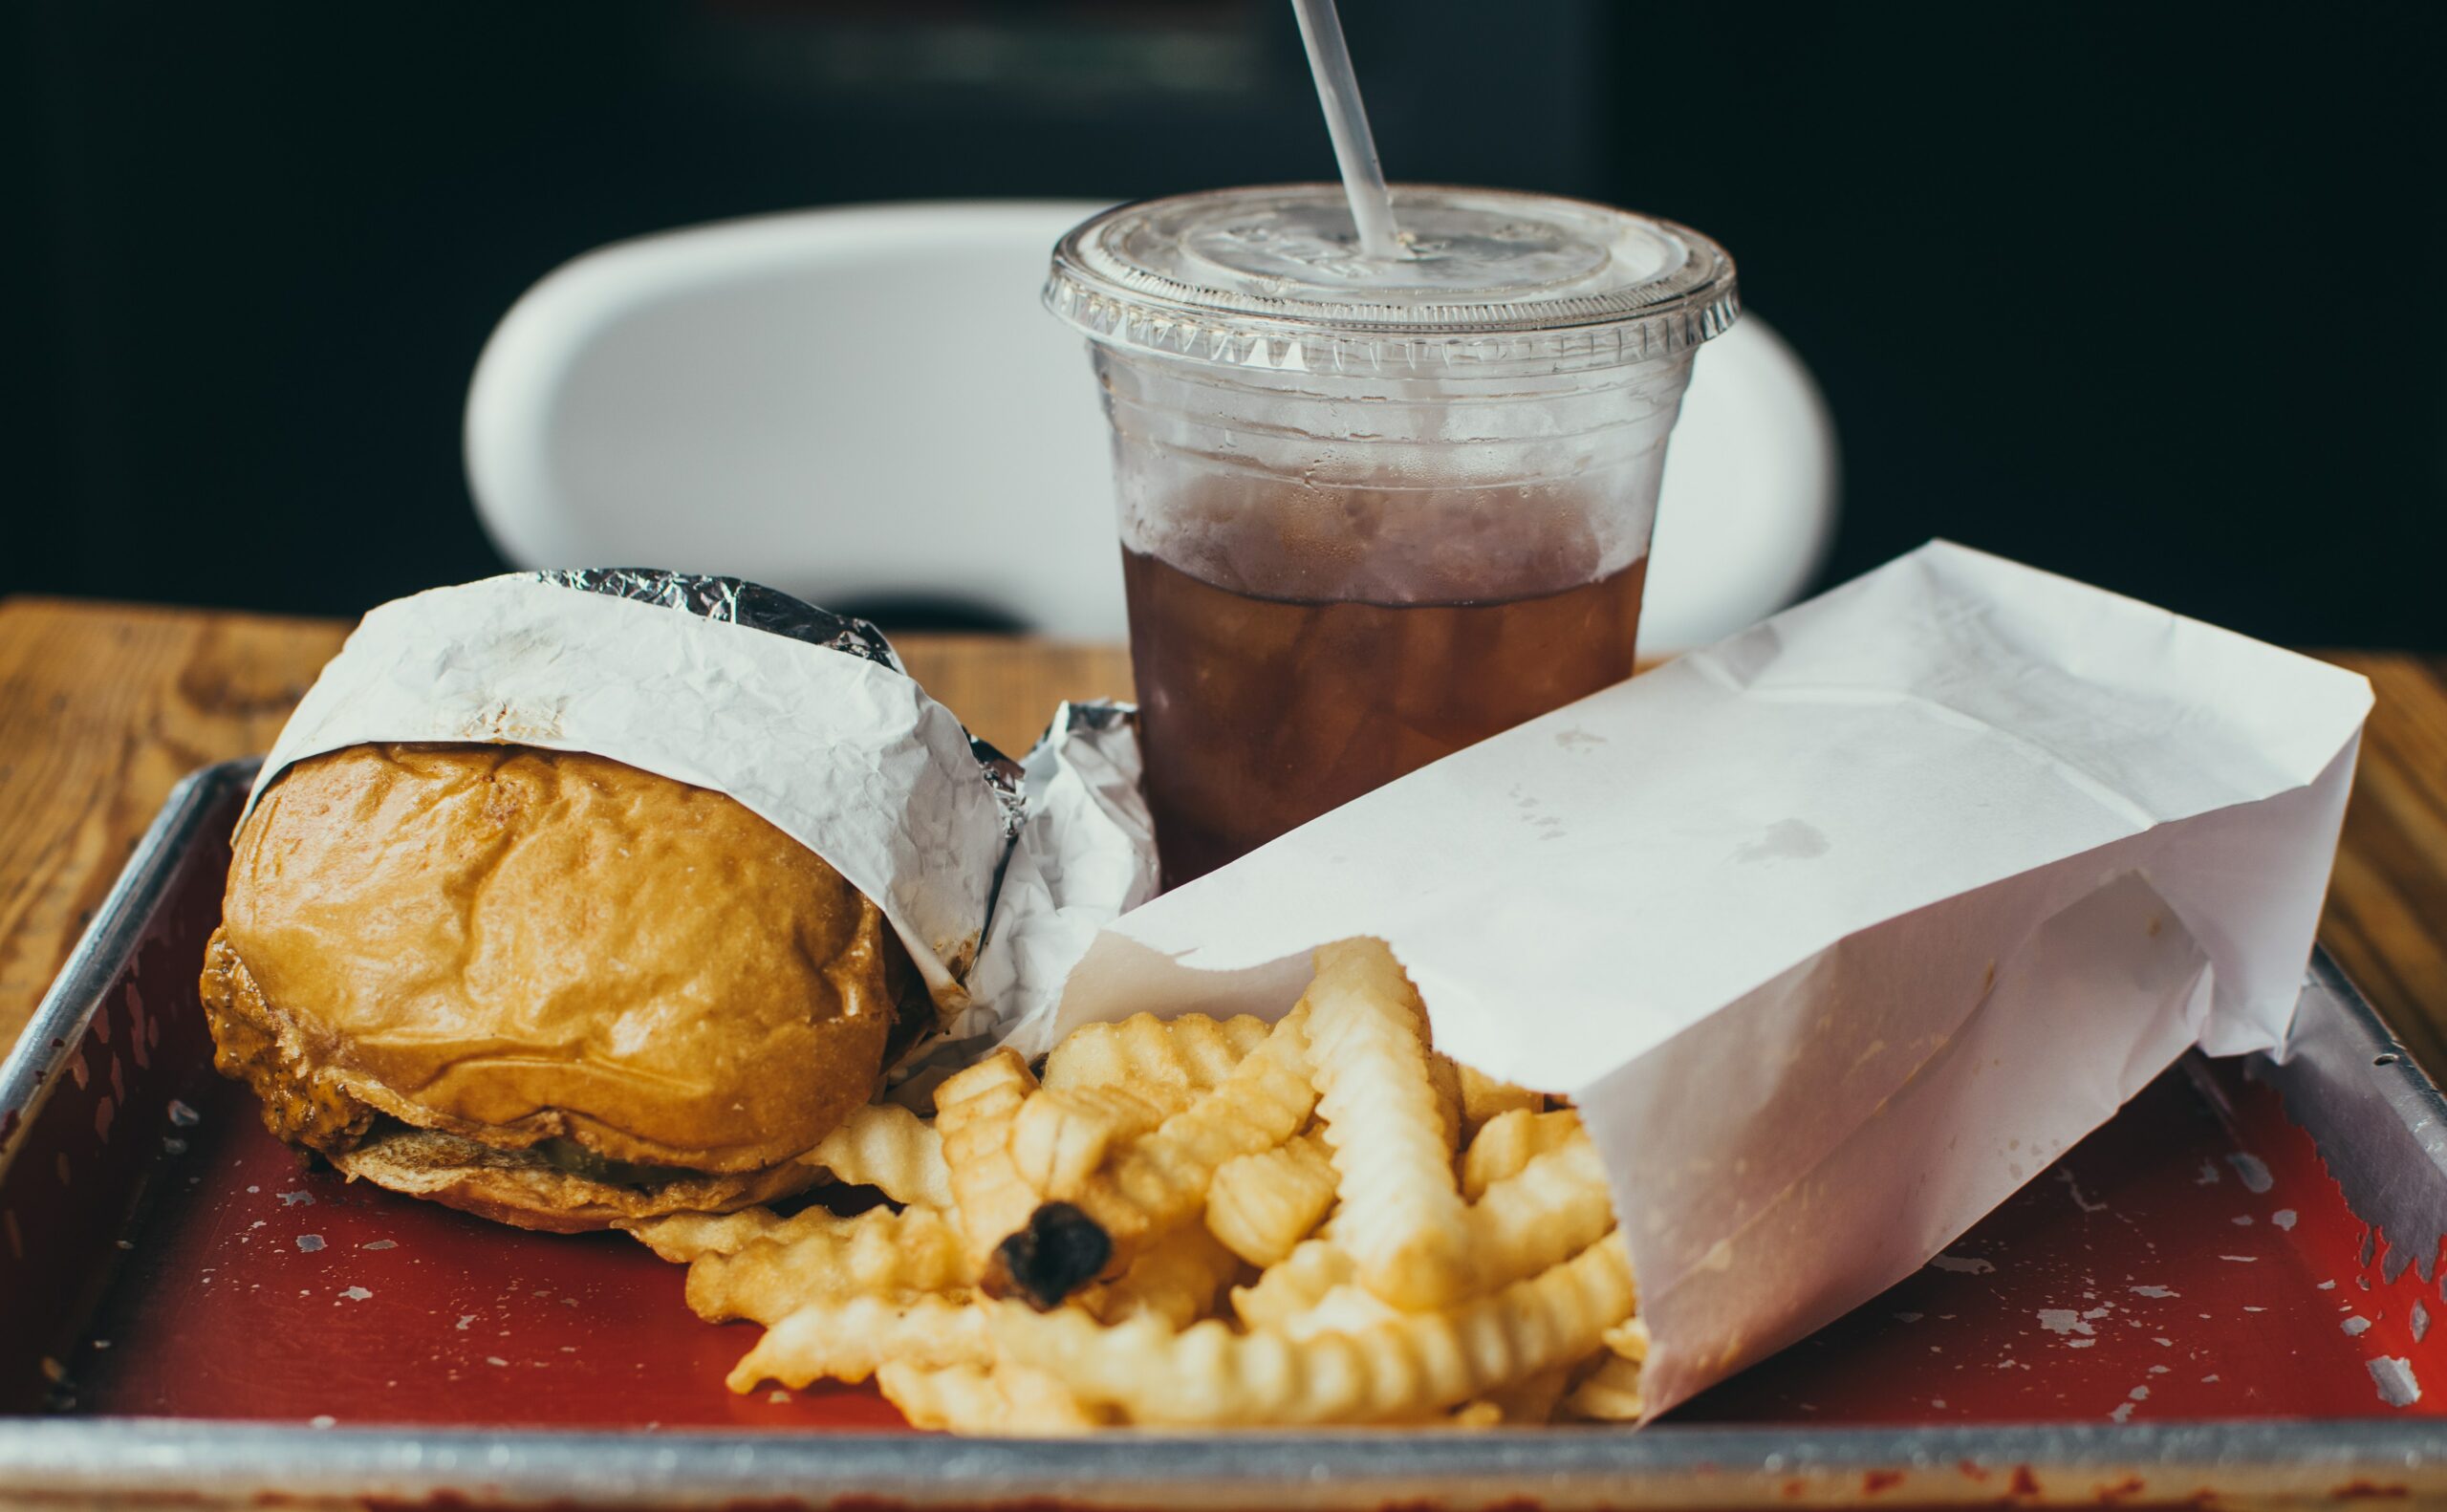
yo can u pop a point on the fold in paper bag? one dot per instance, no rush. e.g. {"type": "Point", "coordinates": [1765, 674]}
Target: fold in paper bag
{"type": "Point", "coordinates": [1838, 930]}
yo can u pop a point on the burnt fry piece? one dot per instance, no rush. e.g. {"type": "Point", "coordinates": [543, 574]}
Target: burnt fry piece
{"type": "Point", "coordinates": [1059, 1251]}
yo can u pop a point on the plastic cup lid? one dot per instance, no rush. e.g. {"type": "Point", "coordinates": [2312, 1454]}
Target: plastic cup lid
{"type": "Point", "coordinates": [1496, 282]}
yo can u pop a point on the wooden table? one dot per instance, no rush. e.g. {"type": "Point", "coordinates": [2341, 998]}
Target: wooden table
{"type": "Point", "coordinates": [104, 706]}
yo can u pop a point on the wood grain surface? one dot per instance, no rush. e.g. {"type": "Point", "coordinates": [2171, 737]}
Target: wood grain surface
{"type": "Point", "coordinates": [104, 706]}
{"type": "Point", "coordinates": [2387, 915]}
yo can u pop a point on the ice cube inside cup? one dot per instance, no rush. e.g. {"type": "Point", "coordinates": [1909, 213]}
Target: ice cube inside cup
{"type": "Point", "coordinates": [1407, 502]}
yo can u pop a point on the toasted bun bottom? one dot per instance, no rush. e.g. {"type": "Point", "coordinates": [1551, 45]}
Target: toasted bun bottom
{"type": "Point", "coordinates": [519, 1187]}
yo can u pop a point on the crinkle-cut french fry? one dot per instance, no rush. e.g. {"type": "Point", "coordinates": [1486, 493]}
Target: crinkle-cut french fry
{"type": "Point", "coordinates": [1395, 1372]}
{"type": "Point", "coordinates": [961, 1398]}
{"type": "Point", "coordinates": [1534, 1398]}
{"type": "Point", "coordinates": [1157, 1183]}
{"type": "Point", "coordinates": [1445, 1077]}
{"type": "Point", "coordinates": [1056, 1144]}
{"type": "Point", "coordinates": [1312, 1269]}
{"type": "Point", "coordinates": [1040, 1404]}
{"type": "Point", "coordinates": [1402, 1218]}
{"type": "Point", "coordinates": [845, 1338]}
{"type": "Point", "coordinates": [1483, 1097]}
{"type": "Point", "coordinates": [1175, 1278]}
{"type": "Point", "coordinates": [1262, 1205]}
{"type": "Point", "coordinates": [1508, 1141]}
{"type": "Point", "coordinates": [887, 1147]}
{"type": "Point", "coordinates": [1483, 1413]}
{"type": "Point", "coordinates": [974, 1110]}
{"type": "Point", "coordinates": [1629, 1338]}
{"type": "Point", "coordinates": [689, 1237]}
{"type": "Point", "coordinates": [1192, 1053]}
{"type": "Point", "coordinates": [1530, 1399]}
{"type": "Point", "coordinates": [1550, 1208]}
{"type": "Point", "coordinates": [814, 1254]}
{"type": "Point", "coordinates": [1611, 1394]}
{"type": "Point", "coordinates": [1346, 1309]}
{"type": "Point", "coordinates": [983, 1399]}
{"type": "Point", "coordinates": [685, 1237]}
{"type": "Point", "coordinates": [1061, 1137]}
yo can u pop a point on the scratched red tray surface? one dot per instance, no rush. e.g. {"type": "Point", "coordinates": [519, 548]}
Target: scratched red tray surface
{"type": "Point", "coordinates": [162, 1257]}
{"type": "Point", "coordinates": [2169, 1267]}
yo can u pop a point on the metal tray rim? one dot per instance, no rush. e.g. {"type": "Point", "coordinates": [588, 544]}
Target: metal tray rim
{"type": "Point", "coordinates": [2040, 1462]}
{"type": "Point", "coordinates": [51, 1036]}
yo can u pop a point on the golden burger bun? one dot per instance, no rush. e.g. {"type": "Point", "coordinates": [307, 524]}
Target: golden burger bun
{"type": "Point", "coordinates": [544, 987]}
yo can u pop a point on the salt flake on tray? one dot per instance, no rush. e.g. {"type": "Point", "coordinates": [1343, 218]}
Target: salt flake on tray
{"type": "Point", "coordinates": [2393, 1376]}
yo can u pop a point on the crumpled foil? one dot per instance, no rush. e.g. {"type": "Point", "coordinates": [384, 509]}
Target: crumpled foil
{"type": "Point", "coordinates": [1085, 856]}
{"type": "Point", "coordinates": [733, 601]}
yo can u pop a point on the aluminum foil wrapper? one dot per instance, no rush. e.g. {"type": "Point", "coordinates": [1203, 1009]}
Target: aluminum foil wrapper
{"type": "Point", "coordinates": [1085, 854]}
{"type": "Point", "coordinates": [735, 601]}
{"type": "Point", "coordinates": [989, 870]}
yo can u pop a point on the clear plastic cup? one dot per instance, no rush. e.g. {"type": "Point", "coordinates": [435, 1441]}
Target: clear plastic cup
{"type": "Point", "coordinates": [1373, 512]}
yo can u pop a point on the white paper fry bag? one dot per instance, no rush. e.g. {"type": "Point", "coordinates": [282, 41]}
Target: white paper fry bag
{"type": "Point", "coordinates": [1839, 930]}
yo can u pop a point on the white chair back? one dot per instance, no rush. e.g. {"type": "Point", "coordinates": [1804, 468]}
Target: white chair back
{"type": "Point", "coordinates": [867, 404]}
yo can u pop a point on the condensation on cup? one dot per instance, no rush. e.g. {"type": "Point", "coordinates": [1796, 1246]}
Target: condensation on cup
{"type": "Point", "coordinates": [1373, 511]}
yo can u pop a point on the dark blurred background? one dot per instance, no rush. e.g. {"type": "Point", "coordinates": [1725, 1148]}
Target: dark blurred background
{"type": "Point", "coordinates": [2151, 294]}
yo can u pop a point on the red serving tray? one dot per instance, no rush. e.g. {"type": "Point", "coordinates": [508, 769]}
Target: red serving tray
{"type": "Point", "coordinates": [162, 1257]}
{"type": "Point", "coordinates": [2118, 1286]}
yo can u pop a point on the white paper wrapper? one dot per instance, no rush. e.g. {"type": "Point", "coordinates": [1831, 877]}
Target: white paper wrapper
{"type": "Point", "coordinates": [1839, 930]}
{"type": "Point", "coordinates": [849, 757]}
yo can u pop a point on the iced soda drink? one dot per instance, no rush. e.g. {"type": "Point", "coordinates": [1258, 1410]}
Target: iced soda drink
{"type": "Point", "coordinates": [1372, 513]}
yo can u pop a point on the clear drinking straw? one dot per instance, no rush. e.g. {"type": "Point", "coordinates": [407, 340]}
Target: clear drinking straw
{"type": "Point", "coordinates": [1363, 178]}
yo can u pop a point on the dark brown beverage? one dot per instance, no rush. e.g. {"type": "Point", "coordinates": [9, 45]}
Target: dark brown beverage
{"type": "Point", "coordinates": [1259, 714]}
{"type": "Point", "coordinates": [1374, 510]}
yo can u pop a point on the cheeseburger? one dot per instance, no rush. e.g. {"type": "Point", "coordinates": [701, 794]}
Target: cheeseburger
{"type": "Point", "coordinates": [546, 987]}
